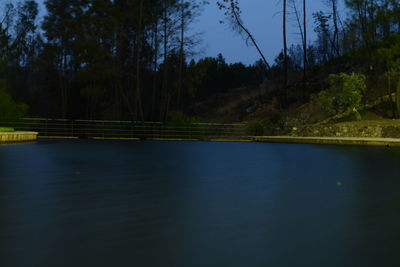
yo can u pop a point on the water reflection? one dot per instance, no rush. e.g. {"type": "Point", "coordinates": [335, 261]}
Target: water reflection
{"type": "Point", "coordinates": [100, 203]}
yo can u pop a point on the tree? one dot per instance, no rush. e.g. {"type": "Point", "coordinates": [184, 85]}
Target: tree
{"type": "Point", "coordinates": [9, 109]}
{"type": "Point", "coordinates": [324, 35]}
{"type": "Point", "coordinates": [57, 26]}
{"type": "Point", "coordinates": [302, 25]}
{"type": "Point", "coordinates": [304, 48]}
{"type": "Point", "coordinates": [25, 29]}
{"type": "Point", "coordinates": [344, 93]}
{"type": "Point", "coordinates": [139, 36]}
{"type": "Point", "coordinates": [390, 57]}
{"type": "Point", "coordinates": [364, 13]}
{"type": "Point", "coordinates": [335, 19]}
{"type": "Point", "coordinates": [188, 11]}
{"type": "Point", "coordinates": [285, 57]}
{"type": "Point", "coordinates": [232, 12]}
{"type": "Point", "coordinates": [168, 28]}
{"type": "Point", "coordinates": [4, 43]}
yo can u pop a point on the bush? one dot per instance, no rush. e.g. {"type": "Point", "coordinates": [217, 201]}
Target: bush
{"type": "Point", "coordinates": [8, 108]}
{"type": "Point", "coordinates": [178, 117]}
{"type": "Point", "coordinates": [275, 117]}
{"type": "Point", "coordinates": [7, 130]}
{"type": "Point", "coordinates": [255, 128]}
{"type": "Point", "coordinates": [344, 94]}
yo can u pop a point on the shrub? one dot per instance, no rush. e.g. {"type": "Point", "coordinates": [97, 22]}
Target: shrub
{"type": "Point", "coordinates": [255, 128]}
{"type": "Point", "coordinates": [2, 129]}
{"type": "Point", "coordinates": [10, 109]}
{"type": "Point", "coordinates": [178, 117]}
{"type": "Point", "coordinates": [344, 93]}
{"type": "Point", "coordinates": [275, 117]}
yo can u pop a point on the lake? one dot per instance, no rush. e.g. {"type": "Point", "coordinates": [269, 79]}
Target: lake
{"type": "Point", "coordinates": [147, 203]}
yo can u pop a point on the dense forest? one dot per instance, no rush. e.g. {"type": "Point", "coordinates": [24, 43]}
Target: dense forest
{"type": "Point", "coordinates": [132, 59]}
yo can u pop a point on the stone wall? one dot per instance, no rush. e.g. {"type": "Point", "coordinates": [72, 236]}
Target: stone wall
{"type": "Point", "coordinates": [333, 130]}
{"type": "Point", "coordinates": [349, 130]}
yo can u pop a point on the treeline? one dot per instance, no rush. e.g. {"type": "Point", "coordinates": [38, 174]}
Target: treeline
{"type": "Point", "coordinates": [367, 22]}
{"type": "Point", "coordinates": [367, 27]}
{"type": "Point", "coordinates": [100, 59]}
{"type": "Point", "coordinates": [364, 26]}
{"type": "Point", "coordinates": [130, 59]}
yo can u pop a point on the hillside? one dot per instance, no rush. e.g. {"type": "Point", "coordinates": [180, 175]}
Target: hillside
{"type": "Point", "coordinates": [263, 103]}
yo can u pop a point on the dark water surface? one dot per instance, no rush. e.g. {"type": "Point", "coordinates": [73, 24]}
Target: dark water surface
{"type": "Point", "coordinates": [106, 203]}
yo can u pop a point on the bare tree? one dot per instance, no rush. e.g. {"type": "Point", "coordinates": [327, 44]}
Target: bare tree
{"type": "Point", "coordinates": [335, 19]}
{"type": "Point", "coordinates": [189, 10]}
{"type": "Point", "coordinates": [232, 12]}
{"type": "Point", "coordinates": [303, 35]}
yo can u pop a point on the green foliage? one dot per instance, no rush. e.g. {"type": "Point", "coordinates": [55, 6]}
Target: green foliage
{"type": "Point", "coordinates": [325, 99]}
{"type": "Point", "coordinates": [113, 59]}
{"type": "Point", "coordinates": [178, 117]}
{"type": "Point", "coordinates": [255, 128]}
{"type": "Point", "coordinates": [6, 130]}
{"type": "Point", "coordinates": [398, 97]}
{"type": "Point", "coordinates": [275, 117]}
{"type": "Point", "coordinates": [390, 56]}
{"type": "Point", "coordinates": [344, 94]}
{"type": "Point", "coordinates": [187, 127]}
{"type": "Point", "coordinates": [10, 109]}
{"type": "Point", "coordinates": [217, 76]}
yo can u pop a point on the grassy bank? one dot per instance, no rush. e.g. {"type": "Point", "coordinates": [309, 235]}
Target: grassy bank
{"type": "Point", "coordinates": [6, 129]}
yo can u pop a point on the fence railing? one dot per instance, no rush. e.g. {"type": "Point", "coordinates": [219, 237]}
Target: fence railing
{"type": "Point", "coordinates": [127, 129]}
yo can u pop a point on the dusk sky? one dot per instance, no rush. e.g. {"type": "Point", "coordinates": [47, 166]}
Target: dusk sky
{"type": "Point", "coordinates": [263, 18]}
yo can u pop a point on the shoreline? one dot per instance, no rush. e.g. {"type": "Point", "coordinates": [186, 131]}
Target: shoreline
{"type": "Point", "coordinates": [349, 141]}
{"type": "Point", "coordinates": [342, 141]}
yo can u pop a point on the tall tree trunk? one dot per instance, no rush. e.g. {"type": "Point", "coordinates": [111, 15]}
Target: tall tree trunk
{"type": "Point", "coordinates": [138, 96]}
{"type": "Point", "coordinates": [336, 27]}
{"type": "Point", "coordinates": [164, 93]}
{"type": "Point", "coordinates": [116, 101]}
{"type": "Point", "coordinates": [361, 19]}
{"type": "Point", "coordinates": [251, 37]}
{"type": "Point", "coordinates": [304, 49]}
{"type": "Point", "coordinates": [398, 98]}
{"type": "Point", "coordinates": [369, 9]}
{"type": "Point", "coordinates": [181, 53]}
{"type": "Point", "coordinates": [155, 65]}
{"type": "Point", "coordinates": [121, 54]}
{"type": "Point", "coordinates": [62, 83]}
{"type": "Point", "coordinates": [303, 34]}
{"type": "Point", "coordinates": [285, 61]}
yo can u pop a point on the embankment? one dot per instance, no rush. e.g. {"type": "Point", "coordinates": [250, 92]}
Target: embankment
{"type": "Point", "coordinates": [351, 141]}
{"type": "Point", "coordinates": [360, 129]}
